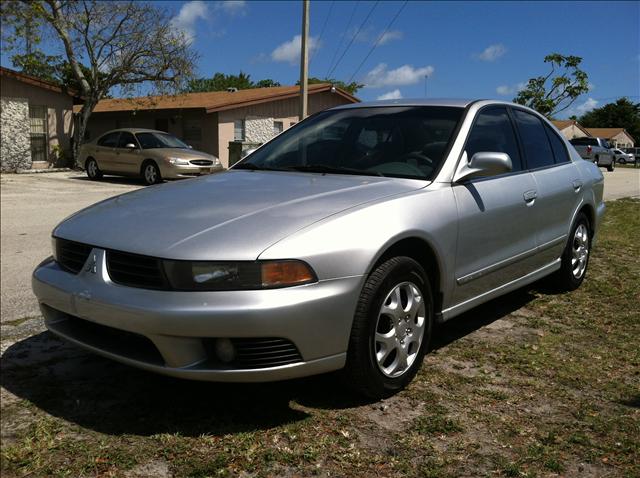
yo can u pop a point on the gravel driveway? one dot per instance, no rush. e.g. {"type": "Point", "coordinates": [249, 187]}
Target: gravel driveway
{"type": "Point", "coordinates": [32, 204]}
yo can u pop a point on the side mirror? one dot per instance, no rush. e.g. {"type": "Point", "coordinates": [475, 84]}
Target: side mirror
{"type": "Point", "coordinates": [483, 164]}
{"type": "Point", "coordinates": [130, 146]}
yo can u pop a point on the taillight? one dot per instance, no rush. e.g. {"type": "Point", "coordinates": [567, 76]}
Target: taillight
{"type": "Point", "coordinates": [589, 149]}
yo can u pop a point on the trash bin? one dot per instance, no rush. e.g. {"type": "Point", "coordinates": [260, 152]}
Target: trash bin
{"type": "Point", "coordinates": [237, 147]}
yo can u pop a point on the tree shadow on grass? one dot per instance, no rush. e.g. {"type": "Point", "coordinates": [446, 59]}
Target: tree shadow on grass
{"type": "Point", "coordinates": [111, 398]}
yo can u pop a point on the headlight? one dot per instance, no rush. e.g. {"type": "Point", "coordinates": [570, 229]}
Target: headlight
{"type": "Point", "coordinates": [178, 161]}
{"type": "Point", "coordinates": [185, 275]}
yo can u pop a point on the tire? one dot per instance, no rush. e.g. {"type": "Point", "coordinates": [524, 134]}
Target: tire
{"type": "Point", "coordinates": [622, 161]}
{"type": "Point", "coordinates": [597, 161]}
{"type": "Point", "coordinates": [403, 331]}
{"type": "Point", "coordinates": [611, 166]}
{"type": "Point", "coordinates": [92, 169]}
{"type": "Point", "coordinates": [151, 173]}
{"type": "Point", "coordinates": [566, 278]}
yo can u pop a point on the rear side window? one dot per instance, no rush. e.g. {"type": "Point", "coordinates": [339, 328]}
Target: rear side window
{"type": "Point", "coordinates": [493, 132]}
{"type": "Point", "coordinates": [109, 140]}
{"type": "Point", "coordinates": [535, 143]}
{"type": "Point", "coordinates": [557, 145]}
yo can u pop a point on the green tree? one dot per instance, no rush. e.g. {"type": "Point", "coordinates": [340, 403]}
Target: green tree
{"type": "Point", "coordinates": [556, 91]}
{"type": "Point", "coordinates": [122, 44]}
{"type": "Point", "coordinates": [220, 82]}
{"type": "Point", "coordinates": [351, 88]}
{"type": "Point", "coordinates": [621, 114]}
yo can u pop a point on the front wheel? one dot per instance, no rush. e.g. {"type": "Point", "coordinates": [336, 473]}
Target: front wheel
{"type": "Point", "coordinates": [391, 329]}
{"type": "Point", "coordinates": [575, 257]}
{"type": "Point", "coordinates": [151, 173]}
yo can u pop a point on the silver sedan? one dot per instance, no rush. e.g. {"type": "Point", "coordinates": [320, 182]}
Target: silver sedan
{"type": "Point", "coordinates": [337, 245]}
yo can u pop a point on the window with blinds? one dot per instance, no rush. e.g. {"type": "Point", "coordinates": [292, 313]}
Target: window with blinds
{"type": "Point", "coordinates": [38, 130]}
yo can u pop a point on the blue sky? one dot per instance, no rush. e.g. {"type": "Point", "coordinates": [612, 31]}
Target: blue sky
{"type": "Point", "coordinates": [468, 49]}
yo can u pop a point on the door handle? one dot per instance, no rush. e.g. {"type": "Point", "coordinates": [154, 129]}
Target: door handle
{"type": "Point", "coordinates": [577, 185]}
{"type": "Point", "coordinates": [530, 196]}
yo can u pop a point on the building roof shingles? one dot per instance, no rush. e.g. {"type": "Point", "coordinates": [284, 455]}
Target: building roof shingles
{"type": "Point", "coordinates": [213, 101]}
{"type": "Point", "coordinates": [608, 133]}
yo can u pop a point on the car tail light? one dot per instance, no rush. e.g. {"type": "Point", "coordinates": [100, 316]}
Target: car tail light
{"type": "Point", "coordinates": [589, 149]}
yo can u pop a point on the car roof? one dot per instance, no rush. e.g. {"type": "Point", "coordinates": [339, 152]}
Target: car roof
{"type": "Point", "coordinates": [455, 102]}
{"type": "Point", "coordinates": [135, 130]}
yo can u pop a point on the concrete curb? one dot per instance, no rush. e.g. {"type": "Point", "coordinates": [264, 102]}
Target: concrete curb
{"type": "Point", "coordinates": [41, 171]}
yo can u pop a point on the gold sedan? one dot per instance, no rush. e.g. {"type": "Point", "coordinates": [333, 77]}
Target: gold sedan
{"type": "Point", "coordinates": [149, 154]}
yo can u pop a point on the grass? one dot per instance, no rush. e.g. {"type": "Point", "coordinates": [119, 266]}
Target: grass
{"type": "Point", "coordinates": [556, 392]}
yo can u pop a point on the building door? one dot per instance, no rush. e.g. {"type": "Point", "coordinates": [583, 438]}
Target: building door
{"type": "Point", "coordinates": [38, 132]}
{"type": "Point", "coordinates": [162, 124]}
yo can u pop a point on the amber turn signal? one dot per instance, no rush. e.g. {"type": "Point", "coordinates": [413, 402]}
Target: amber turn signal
{"type": "Point", "coordinates": [286, 273]}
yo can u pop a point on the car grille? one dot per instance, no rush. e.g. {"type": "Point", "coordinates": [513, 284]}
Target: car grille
{"type": "Point", "coordinates": [134, 270]}
{"type": "Point", "coordinates": [264, 352]}
{"type": "Point", "coordinates": [201, 162]}
{"type": "Point", "coordinates": [72, 255]}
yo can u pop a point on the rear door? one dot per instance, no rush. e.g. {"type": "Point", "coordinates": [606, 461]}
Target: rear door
{"type": "Point", "coordinates": [496, 233]}
{"type": "Point", "coordinates": [558, 183]}
{"type": "Point", "coordinates": [104, 151]}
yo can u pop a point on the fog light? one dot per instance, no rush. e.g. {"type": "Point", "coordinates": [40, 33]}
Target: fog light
{"type": "Point", "coordinates": [225, 351]}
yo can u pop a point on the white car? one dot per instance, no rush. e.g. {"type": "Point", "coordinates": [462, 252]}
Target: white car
{"type": "Point", "coordinates": [623, 158]}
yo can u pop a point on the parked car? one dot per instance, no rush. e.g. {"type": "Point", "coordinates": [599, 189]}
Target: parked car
{"type": "Point", "coordinates": [622, 157]}
{"type": "Point", "coordinates": [336, 245]}
{"type": "Point", "coordinates": [152, 155]}
{"type": "Point", "coordinates": [596, 150]}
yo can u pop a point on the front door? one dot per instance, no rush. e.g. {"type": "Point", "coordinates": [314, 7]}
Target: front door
{"type": "Point", "coordinates": [128, 159]}
{"type": "Point", "coordinates": [496, 215]}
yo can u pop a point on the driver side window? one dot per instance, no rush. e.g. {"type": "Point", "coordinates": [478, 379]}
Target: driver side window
{"type": "Point", "coordinates": [493, 132]}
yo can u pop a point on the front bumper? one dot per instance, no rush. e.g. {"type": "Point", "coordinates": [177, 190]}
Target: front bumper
{"type": "Point", "coordinates": [171, 171]}
{"type": "Point", "coordinates": [175, 327]}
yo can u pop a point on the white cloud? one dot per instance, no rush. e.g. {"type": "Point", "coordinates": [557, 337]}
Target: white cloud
{"type": "Point", "coordinates": [380, 76]}
{"type": "Point", "coordinates": [492, 52]}
{"type": "Point", "coordinates": [506, 90]}
{"type": "Point", "coordinates": [233, 7]}
{"type": "Point", "coordinates": [587, 106]}
{"type": "Point", "coordinates": [189, 14]}
{"type": "Point", "coordinates": [289, 51]}
{"type": "Point", "coordinates": [390, 36]}
{"type": "Point", "coordinates": [392, 95]}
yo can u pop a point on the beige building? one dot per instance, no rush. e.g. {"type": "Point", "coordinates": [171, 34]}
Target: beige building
{"type": "Point", "coordinates": [36, 122]}
{"type": "Point", "coordinates": [570, 129]}
{"type": "Point", "coordinates": [217, 122]}
{"type": "Point", "coordinates": [617, 137]}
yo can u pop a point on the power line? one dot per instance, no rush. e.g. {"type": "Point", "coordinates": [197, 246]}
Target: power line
{"type": "Point", "coordinates": [324, 26]}
{"type": "Point", "coordinates": [335, 53]}
{"type": "Point", "coordinates": [375, 45]}
{"type": "Point", "coordinates": [353, 38]}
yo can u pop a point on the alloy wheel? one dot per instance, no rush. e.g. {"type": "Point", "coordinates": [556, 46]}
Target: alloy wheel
{"type": "Point", "coordinates": [150, 174]}
{"type": "Point", "coordinates": [580, 251]}
{"type": "Point", "coordinates": [399, 329]}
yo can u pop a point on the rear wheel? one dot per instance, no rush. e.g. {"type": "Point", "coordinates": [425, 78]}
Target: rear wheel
{"type": "Point", "coordinates": [151, 173]}
{"type": "Point", "coordinates": [391, 330]}
{"type": "Point", "coordinates": [575, 257]}
{"type": "Point", "coordinates": [612, 166]}
{"type": "Point", "coordinates": [93, 171]}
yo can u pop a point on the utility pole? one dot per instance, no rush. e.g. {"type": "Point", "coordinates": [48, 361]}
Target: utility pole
{"type": "Point", "coordinates": [304, 60]}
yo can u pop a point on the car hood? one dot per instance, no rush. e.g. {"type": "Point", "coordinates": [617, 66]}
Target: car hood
{"type": "Point", "coordinates": [229, 216]}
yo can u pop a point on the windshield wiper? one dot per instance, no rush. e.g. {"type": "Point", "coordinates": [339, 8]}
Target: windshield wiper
{"type": "Point", "coordinates": [321, 168]}
{"type": "Point", "coordinates": [254, 167]}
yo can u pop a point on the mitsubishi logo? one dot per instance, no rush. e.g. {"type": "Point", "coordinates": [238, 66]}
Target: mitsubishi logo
{"type": "Point", "coordinates": [92, 264]}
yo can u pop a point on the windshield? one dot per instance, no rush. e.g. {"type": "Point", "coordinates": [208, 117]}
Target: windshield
{"type": "Point", "coordinates": [159, 140]}
{"type": "Point", "coordinates": [407, 142]}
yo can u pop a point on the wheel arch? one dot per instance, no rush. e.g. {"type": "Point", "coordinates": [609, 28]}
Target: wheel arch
{"type": "Point", "coordinates": [422, 252]}
{"type": "Point", "coordinates": [145, 162]}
